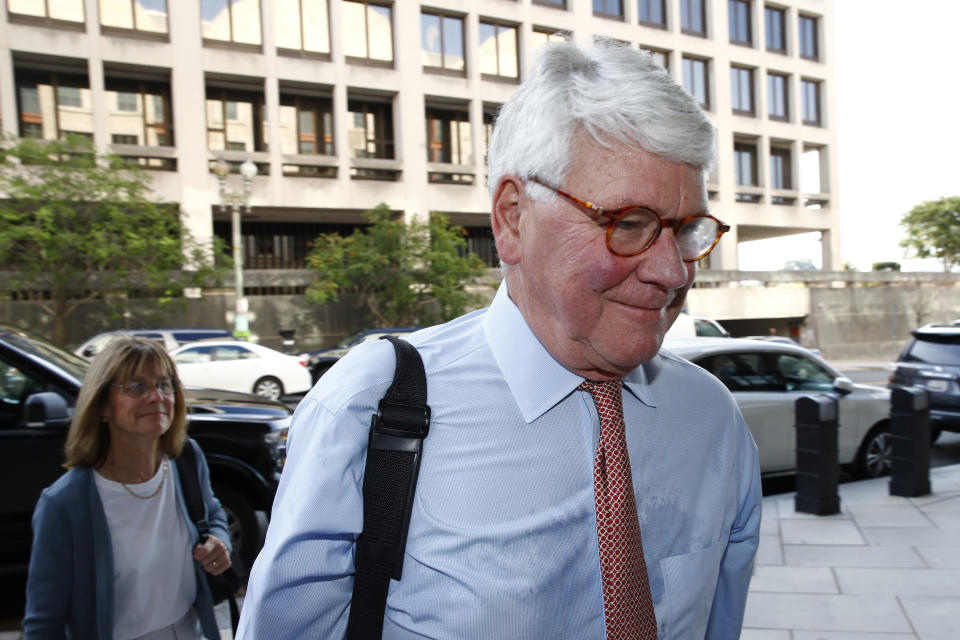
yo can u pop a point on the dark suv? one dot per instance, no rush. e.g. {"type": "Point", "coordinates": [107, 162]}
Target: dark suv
{"type": "Point", "coordinates": [932, 360]}
{"type": "Point", "coordinates": [243, 437]}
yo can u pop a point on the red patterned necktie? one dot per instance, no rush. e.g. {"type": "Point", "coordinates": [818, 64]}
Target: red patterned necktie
{"type": "Point", "coordinates": [627, 604]}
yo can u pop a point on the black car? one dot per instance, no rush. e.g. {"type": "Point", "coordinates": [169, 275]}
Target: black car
{"type": "Point", "coordinates": [319, 361]}
{"type": "Point", "coordinates": [932, 360]}
{"type": "Point", "coordinates": [243, 437]}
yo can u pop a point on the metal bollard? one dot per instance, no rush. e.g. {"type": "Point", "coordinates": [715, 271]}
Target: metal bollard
{"type": "Point", "coordinates": [910, 442]}
{"type": "Point", "coordinates": [288, 342]}
{"type": "Point", "coordinates": [818, 468]}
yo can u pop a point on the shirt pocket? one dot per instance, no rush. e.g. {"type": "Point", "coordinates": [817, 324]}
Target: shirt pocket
{"type": "Point", "coordinates": [690, 581]}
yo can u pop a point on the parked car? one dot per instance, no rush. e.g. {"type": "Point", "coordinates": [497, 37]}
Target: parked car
{"type": "Point", "coordinates": [171, 338]}
{"type": "Point", "coordinates": [932, 360]}
{"type": "Point", "coordinates": [784, 340]}
{"type": "Point", "coordinates": [319, 361]}
{"type": "Point", "coordinates": [688, 326]}
{"type": "Point", "coordinates": [766, 379]}
{"type": "Point", "coordinates": [236, 365]}
{"type": "Point", "coordinates": [243, 438]}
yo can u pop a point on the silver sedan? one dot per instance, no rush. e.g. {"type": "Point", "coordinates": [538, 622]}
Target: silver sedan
{"type": "Point", "coordinates": [767, 378]}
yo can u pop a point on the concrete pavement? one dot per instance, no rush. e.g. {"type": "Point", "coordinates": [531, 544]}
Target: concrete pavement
{"type": "Point", "coordinates": [885, 568]}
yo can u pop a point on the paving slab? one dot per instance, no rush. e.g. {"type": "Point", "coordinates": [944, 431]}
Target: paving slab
{"type": "Point", "coordinates": [934, 618]}
{"type": "Point", "coordinates": [816, 612]}
{"type": "Point", "coordinates": [903, 582]}
{"type": "Point", "coordinates": [794, 579]}
{"type": "Point", "coordinates": [824, 531]}
{"type": "Point", "coordinates": [905, 515]}
{"type": "Point", "coordinates": [853, 556]}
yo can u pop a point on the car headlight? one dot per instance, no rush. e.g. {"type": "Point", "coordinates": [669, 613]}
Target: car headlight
{"type": "Point", "coordinates": [276, 442]}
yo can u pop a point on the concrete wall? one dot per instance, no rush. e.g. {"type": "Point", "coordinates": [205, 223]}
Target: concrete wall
{"type": "Point", "coordinates": [848, 316]}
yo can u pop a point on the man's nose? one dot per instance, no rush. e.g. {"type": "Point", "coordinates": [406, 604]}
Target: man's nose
{"type": "Point", "coordinates": [663, 265]}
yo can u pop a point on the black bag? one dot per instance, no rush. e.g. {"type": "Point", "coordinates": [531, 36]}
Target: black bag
{"type": "Point", "coordinates": [397, 431]}
{"type": "Point", "coordinates": [223, 586]}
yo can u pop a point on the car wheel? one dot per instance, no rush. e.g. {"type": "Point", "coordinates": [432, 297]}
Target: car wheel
{"type": "Point", "coordinates": [246, 537]}
{"type": "Point", "coordinates": [934, 434]}
{"type": "Point", "coordinates": [874, 455]}
{"type": "Point", "coordinates": [268, 387]}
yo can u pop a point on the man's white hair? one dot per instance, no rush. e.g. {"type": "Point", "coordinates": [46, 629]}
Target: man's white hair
{"type": "Point", "coordinates": [611, 93]}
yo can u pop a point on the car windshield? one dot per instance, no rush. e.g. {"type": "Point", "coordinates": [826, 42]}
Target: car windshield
{"type": "Point", "coordinates": [70, 363]}
{"type": "Point", "coordinates": [935, 352]}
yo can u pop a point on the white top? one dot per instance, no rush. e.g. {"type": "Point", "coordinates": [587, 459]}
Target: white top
{"type": "Point", "coordinates": [153, 577]}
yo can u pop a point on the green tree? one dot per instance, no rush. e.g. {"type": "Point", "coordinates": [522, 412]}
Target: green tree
{"type": "Point", "coordinates": [81, 225]}
{"type": "Point", "coordinates": [885, 266]}
{"type": "Point", "coordinates": [404, 274]}
{"type": "Point", "coordinates": [933, 231]}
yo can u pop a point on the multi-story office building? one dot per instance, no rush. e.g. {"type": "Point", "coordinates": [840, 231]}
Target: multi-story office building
{"type": "Point", "coordinates": [344, 104]}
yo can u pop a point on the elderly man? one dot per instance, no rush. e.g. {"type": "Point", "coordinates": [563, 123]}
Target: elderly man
{"type": "Point", "coordinates": [577, 480]}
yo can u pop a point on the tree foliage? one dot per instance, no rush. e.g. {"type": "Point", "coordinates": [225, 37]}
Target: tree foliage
{"type": "Point", "coordinates": [404, 274]}
{"type": "Point", "coordinates": [885, 266]}
{"type": "Point", "coordinates": [933, 231]}
{"type": "Point", "coordinates": [80, 225]}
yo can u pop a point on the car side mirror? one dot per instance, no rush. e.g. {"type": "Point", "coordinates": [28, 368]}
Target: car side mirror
{"type": "Point", "coordinates": [843, 385]}
{"type": "Point", "coordinates": [46, 409]}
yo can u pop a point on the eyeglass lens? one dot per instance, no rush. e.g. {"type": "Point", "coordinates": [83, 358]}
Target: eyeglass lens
{"type": "Point", "coordinates": [139, 387]}
{"type": "Point", "coordinates": [636, 229]}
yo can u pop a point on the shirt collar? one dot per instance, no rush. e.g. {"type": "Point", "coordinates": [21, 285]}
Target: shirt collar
{"type": "Point", "coordinates": [536, 380]}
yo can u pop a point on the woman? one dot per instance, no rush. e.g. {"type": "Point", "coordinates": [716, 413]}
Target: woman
{"type": "Point", "coordinates": [114, 553]}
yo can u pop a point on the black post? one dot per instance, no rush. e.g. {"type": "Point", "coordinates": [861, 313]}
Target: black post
{"type": "Point", "coordinates": [287, 336]}
{"type": "Point", "coordinates": [910, 442]}
{"type": "Point", "coordinates": [818, 469]}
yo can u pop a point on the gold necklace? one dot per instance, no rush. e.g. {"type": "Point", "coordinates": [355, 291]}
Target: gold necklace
{"type": "Point", "coordinates": [156, 491]}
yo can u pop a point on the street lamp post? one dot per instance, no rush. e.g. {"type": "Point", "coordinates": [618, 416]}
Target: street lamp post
{"type": "Point", "coordinates": [237, 201]}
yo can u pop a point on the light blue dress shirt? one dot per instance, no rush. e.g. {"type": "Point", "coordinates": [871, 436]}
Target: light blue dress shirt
{"type": "Point", "coordinates": [502, 540]}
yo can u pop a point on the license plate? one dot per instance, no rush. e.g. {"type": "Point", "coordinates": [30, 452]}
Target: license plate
{"type": "Point", "coordinates": [936, 385]}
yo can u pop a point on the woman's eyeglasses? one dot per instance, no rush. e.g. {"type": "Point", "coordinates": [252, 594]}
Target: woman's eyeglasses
{"type": "Point", "coordinates": [139, 388]}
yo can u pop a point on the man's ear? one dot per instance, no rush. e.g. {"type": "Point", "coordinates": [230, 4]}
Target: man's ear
{"type": "Point", "coordinates": [505, 218]}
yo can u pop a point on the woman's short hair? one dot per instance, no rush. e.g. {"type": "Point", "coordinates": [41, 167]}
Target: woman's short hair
{"type": "Point", "coordinates": [611, 93]}
{"type": "Point", "coordinates": [124, 359]}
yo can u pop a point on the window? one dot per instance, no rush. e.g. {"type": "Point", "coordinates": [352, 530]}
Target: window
{"type": "Point", "coordinates": [693, 17]}
{"type": "Point", "coordinates": [741, 90]}
{"type": "Point", "coordinates": [306, 125]}
{"type": "Point", "coordinates": [142, 115]}
{"type": "Point", "coordinates": [778, 104]}
{"type": "Point", "coordinates": [695, 80]}
{"type": "Point", "coordinates": [745, 163]}
{"type": "Point", "coordinates": [441, 42]}
{"type": "Point", "coordinates": [67, 10]}
{"type": "Point", "coordinates": [137, 15]}
{"type": "Point", "coordinates": [539, 37]}
{"type": "Point", "coordinates": [235, 21]}
{"type": "Point", "coordinates": [51, 105]}
{"type": "Point", "coordinates": [740, 31]}
{"type": "Point", "coordinates": [781, 170]}
{"type": "Point", "coordinates": [498, 50]}
{"type": "Point", "coordinates": [810, 92]}
{"type": "Point", "coordinates": [776, 20]}
{"type": "Point", "coordinates": [808, 38]}
{"type": "Point", "coordinates": [368, 32]}
{"type": "Point", "coordinates": [559, 4]}
{"type": "Point", "coordinates": [370, 131]}
{"type": "Point", "coordinates": [302, 25]}
{"type": "Point", "coordinates": [652, 13]}
{"type": "Point", "coordinates": [235, 120]}
{"type": "Point", "coordinates": [449, 141]}
{"type": "Point", "coordinates": [663, 57]}
{"type": "Point", "coordinates": [608, 8]}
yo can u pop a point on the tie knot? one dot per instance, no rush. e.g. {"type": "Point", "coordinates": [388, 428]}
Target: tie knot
{"type": "Point", "coordinates": [607, 395]}
{"type": "Point", "coordinates": [605, 387]}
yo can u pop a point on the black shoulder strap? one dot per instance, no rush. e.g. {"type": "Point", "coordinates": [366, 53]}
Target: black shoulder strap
{"type": "Point", "coordinates": [190, 485]}
{"type": "Point", "coordinates": [397, 431]}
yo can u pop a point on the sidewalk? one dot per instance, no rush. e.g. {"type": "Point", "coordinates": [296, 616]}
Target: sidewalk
{"type": "Point", "coordinates": [885, 568]}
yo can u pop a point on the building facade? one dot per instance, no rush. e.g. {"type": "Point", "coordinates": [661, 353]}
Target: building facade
{"type": "Point", "coordinates": [344, 104]}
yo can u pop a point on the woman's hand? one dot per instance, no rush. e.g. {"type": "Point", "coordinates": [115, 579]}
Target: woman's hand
{"type": "Point", "coordinates": [212, 555]}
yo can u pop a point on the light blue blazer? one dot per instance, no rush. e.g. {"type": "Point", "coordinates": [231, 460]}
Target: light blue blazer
{"type": "Point", "coordinates": [70, 584]}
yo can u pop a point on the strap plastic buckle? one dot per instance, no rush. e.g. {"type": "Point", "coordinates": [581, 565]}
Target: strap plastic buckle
{"type": "Point", "coordinates": [402, 420]}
